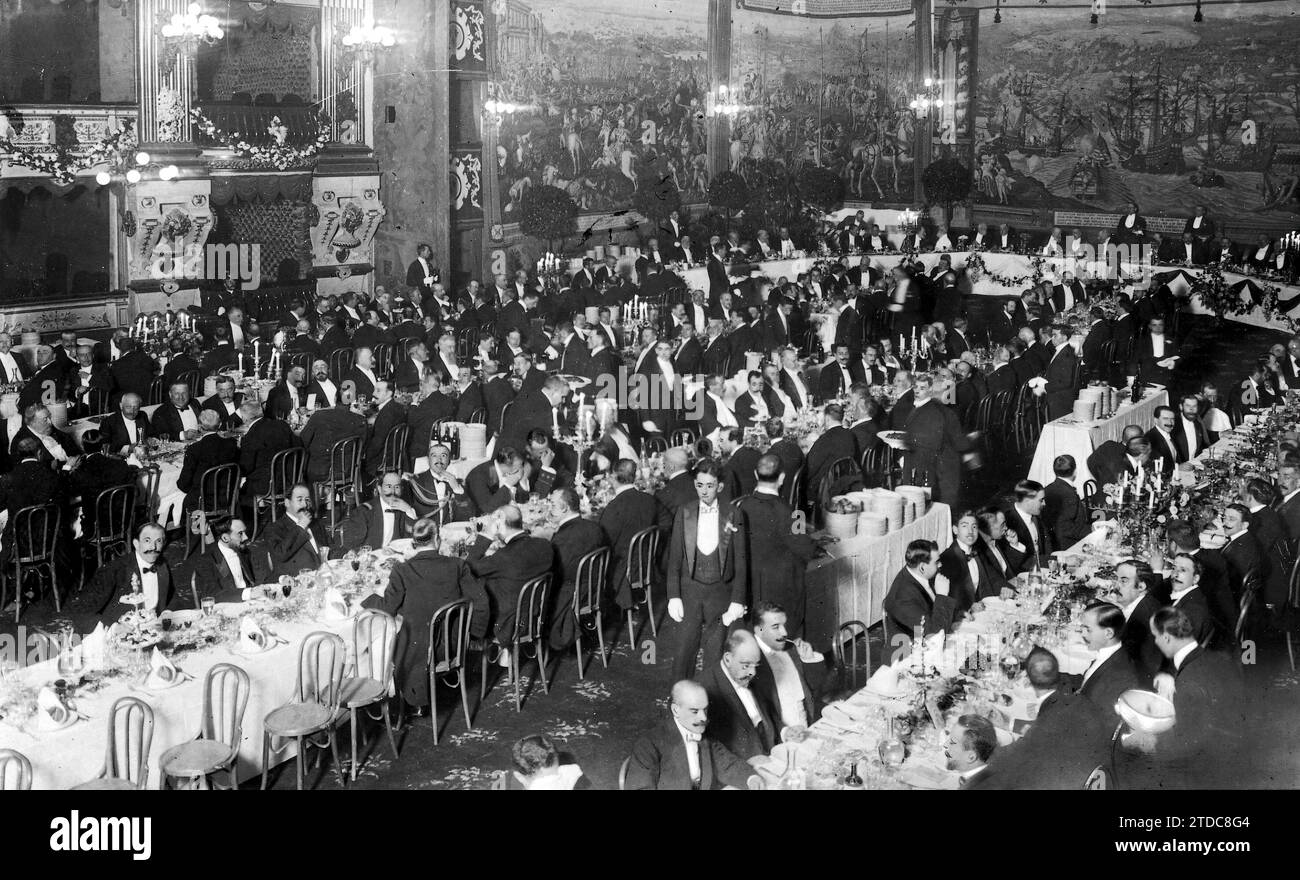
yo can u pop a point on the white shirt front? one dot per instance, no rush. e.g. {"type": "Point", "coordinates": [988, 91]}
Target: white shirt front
{"type": "Point", "coordinates": [1157, 345]}
{"type": "Point", "coordinates": [148, 584]}
{"type": "Point", "coordinates": [726, 418]}
{"type": "Point", "coordinates": [1262, 253]}
{"type": "Point", "coordinates": [236, 335]}
{"type": "Point", "coordinates": [1102, 656]}
{"type": "Point", "coordinates": [1176, 596]}
{"type": "Point", "coordinates": [798, 384]}
{"type": "Point", "coordinates": [1033, 529]}
{"type": "Point", "coordinates": [189, 421]}
{"type": "Point", "coordinates": [389, 522]}
{"type": "Point", "coordinates": [1181, 656]}
{"type": "Point", "coordinates": [789, 690]}
{"type": "Point", "coordinates": [746, 697]}
{"type": "Point", "coordinates": [692, 742]}
{"type": "Point", "coordinates": [12, 370]}
{"type": "Point", "coordinates": [1189, 432]}
{"type": "Point", "coordinates": [760, 405]}
{"type": "Point", "coordinates": [369, 374]}
{"type": "Point", "coordinates": [233, 563]}
{"type": "Point", "coordinates": [706, 534]}
{"type": "Point", "coordinates": [787, 247]}
{"type": "Point", "coordinates": [1187, 251]}
{"type": "Point", "coordinates": [1132, 606]}
{"type": "Point", "coordinates": [327, 390]}
{"type": "Point", "coordinates": [972, 564]}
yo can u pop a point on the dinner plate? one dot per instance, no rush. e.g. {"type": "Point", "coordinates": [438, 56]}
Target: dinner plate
{"type": "Point", "coordinates": [70, 721]}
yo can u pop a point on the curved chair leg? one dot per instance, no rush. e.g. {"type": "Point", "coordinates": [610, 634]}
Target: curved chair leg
{"type": "Point", "coordinates": [631, 630]}
{"type": "Point", "coordinates": [600, 637]}
{"type": "Point", "coordinates": [482, 682]}
{"type": "Point", "coordinates": [578, 644]}
{"type": "Point", "coordinates": [54, 587]}
{"type": "Point", "coordinates": [353, 714]}
{"type": "Point", "coordinates": [514, 673]}
{"type": "Point", "coordinates": [266, 758]}
{"type": "Point", "coordinates": [332, 732]}
{"type": "Point", "coordinates": [388, 726]}
{"type": "Point", "coordinates": [300, 763]}
{"type": "Point", "coordinates": [433, 701]}
{"type": "Point", "coordinates": [464, 699]}
{"type": "Point", "coordinates": [541, 666]}
{"type": "Point", "coordinates": [650, 610]}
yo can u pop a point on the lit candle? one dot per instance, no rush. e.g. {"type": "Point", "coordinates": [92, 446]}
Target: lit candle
{"type": "Point", "coordinates": [256, 343]}
{"type": "Point", "coordinates": [241, 362]}
{"type": "Point", "coordinates": [555, 421]}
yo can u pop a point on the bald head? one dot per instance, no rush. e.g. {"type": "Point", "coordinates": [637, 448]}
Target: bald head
{"type": "Point", "coordinates": [768, 469]}
{"type": "Point", "coordinates": [1132, 431]}
{"type": "Point", "coordinates": [687, 692]}
{"type": "Point", "coordinates": [675, 460]}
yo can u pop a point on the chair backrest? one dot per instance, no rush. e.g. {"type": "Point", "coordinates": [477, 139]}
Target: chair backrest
{"type": "Point", "coordinates": [590, 581]}
{"type": "Point", "coordinates": [130, 736]}
{"type": "Point", "coordinates": [656, 445]}
{"type": "Point", "coordinates": [1098, 780]}
{"type": "Point", "coordinates": [320, 669]}
{"type": "Point", "coordinates": [16, 766]}
{"type": "Point", "coordinates": [340, 362]}
{"type": "Point", "coordinates": [1293, 587]}
{"type": "Point", "coordinates": [36, 532]}
{"type": "Point", "coordinates": [841, 469]}
{"type": "Point", "coordinates": [449, 635]}
{"type": "Point", "coordinates": [374, 645]}
{"type": "Point", "coordinates": [505, 408]}
{"type": "Point", "coordinates": [345, 461]}
{"type": "Point", "coordinates": [286, 469]}
{"type": "Point", "coordinates": [155, 394]}
{"type": "Point", "coordinates": [683, 437]}
{"type": "Point", "coordinates": [530, 611]}
{"type": "Point", "coordinates": [641, 553]}
{"type": "Point", "coordinates": [383, 359]}
{"type": "Point", "coordinates": [225, 697]}
{"type": "Point", "coordinates": [793, 487]}
{"type": "Point", "coordinates": [1282, 554]}
{"type": "Point", "coordinates": [854, 660]}
{"type": "Point", "coordinates": [466, 342]}
{"type": "Point", "coordinates": [395, 449]}
{"type": "Point", "coordinates": [115, 513]}
{"type": "Point", "coordinates": [191, 380]}
{"type": "Point", "coordinates": [478, 417]}
{"type": "Point", "coordinates": [219, 489]}
{"type": "Point", "coordinates": [97, 401]}
{"type": "Point", "coordinates": [152, 476]}
{"type": "Point", "coordinates": [622, 773]}
{"type": "Point", "coordinates": [1249, 590]}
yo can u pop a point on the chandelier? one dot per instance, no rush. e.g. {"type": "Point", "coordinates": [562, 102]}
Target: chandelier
{"type": "Point", "coordinates": [132, 171]}
{"type": "Point", "coordinates": [721, 106]}
{"type": "Point", "coordinates": [366, 39]}
{"type": "Point", "coordinates": [926, 99]}
{"type": "Point", "coordinates": [186, 30]}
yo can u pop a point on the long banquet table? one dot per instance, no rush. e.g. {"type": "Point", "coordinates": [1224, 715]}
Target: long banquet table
{"type": "Point", "coordinates": [1067, 436]}
{"type": "Point", "coordinates": [64, 758]}
{"type": "Point", "coordinates": [1006, 274]}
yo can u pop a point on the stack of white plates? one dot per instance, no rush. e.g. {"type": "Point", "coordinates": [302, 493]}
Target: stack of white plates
{"type": "Point", "coordinates": [473, 441]}
{"type": "Point", "coordinates": [872, 525]}
{"type": "Point", "coordinates": [917, 498]}
{"type": "Point", "coordinates": [891, 506]}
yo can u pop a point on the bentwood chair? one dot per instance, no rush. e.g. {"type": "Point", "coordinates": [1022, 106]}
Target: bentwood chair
{"type": "Point", "coordinates": [878, 465]}
{"type": "Point", "coordinates": [478, 417]}
{"type": "Point", "coordinates": [840, 471]}
{"type": "Point", "coordinates": [114, 524]}
{"type": "Point", "coordinates": [382, 359]}
{"type": "Point", "coordinates": [656, 445]}
{"type": "Point", "coordinates": [1292, 611]}
{"type": "Point", "coordinates": [793, 489]}
{"type": "Point", "coordinates": [342, 484]}
{"type": "Point", "coordinates": [529, 632]}
{"type": "Point", "coordinates": [1098, 779]}
{"type": "Point", "coordinates": [374, 649]}
{"type": "Point", "coordinates": [286, 469]}
{"type": "Point", "coordinates": [340, 363]}
{"type": "Point", "coordinates": [218, 495]}
{"type": "Point", "coordinates": [191, 380]}
{"type": "Point", "coordinates": [314, 710]}
{"type": "Point", "coordinates": [448, 648]}
{"type": "Point", "coordinates": [35, 536]}
{"type": "Point", "coordinates": [588, 599]}
{"type": "Point", "coordinates": [683, 437]}
{"type": "Point", "coordinates": [622, 773]}
{"type": "Point", "coordinates": [221, 732]}
{"type": "Point", "coordinates": [14, 765]}
{"type": "Point", "coordinates": [126, 755]}
{"type": "Point", "coordinates": [854, 661]}
{"type": "Point", "coordinates": [1245, 608]}
{"type": "Point", "coordinates": [642, 551]}
{"type": "Point", "coordinates": [395, 450]}
{"type": "Point", "coordinates": [156, 393]}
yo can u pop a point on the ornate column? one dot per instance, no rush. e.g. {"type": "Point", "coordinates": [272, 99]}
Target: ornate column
{"type": "Point", "coordinates": [924, 69]}
{"type": "Point", "coordinates": [345, 86]}
{"type": "Point", "coordinates": [719, 49]}
{"type": "Point", "coordinates": [165, 77]}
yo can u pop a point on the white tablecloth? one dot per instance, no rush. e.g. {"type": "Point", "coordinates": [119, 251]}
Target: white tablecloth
{"type": "Point", "coordinates": [74, 755]}
{"type": "Point", "coordinates": [851, 583]}
{"type": "Point", "coordinates": [1065, 436]}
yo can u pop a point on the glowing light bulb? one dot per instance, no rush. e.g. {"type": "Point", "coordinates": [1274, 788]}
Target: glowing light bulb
{"type": "Point", "coordinates": [142, 158]}
{"type": "Point", "coordinates": [103, 178]}
{"type": "Point", "coordinates": [133, 176]}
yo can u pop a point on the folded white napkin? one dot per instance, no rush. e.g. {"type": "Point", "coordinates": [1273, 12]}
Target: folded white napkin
{"type": "Point", "coordinates": [162, 672]}
{"type": "Point", "coordinates": [93, 648]}
{"type": "Point", "coordinates": [884, 681]}
{"type": "Point", "coordinates": [50, 711]}
{"type": "Point", "coordinates": [336, 604]}
{"type": "Point", "coordinates": [252, 637]}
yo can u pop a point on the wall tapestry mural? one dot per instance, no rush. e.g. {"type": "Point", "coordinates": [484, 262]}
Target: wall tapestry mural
{"type": "Point", "coordinates": [831, 92]}
{"type": "Point", "coordinates": [612, 91]}
{"type": "Point", "coordinates": [1148, 106]}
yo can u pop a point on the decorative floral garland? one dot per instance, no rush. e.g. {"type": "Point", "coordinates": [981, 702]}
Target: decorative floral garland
{"type": "Point", "coordinates": [976, 269]}
{"type": "Point", "coordinates": [279, 154]}
{"type": "Point", "coordinates": [63, 167]}
{"type": "Point", "coordinates": [176, 225]}
{"type": "Point", "coordinates": [1214, 292]}
{"type": "Point", "coordinates": [352, 217]}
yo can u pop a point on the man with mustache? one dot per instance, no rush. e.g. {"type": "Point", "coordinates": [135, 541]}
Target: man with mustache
{"type": "Point", "coordinates": [781, 682]}
{"type": "Point", "coordinates": [738, 719]}
{"type": "Point", "coordinates": [144, 567]}
{"type": "Point", "coordinates": [678, 755]}
{"type": "Point", "coordinates": [297, 540]}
